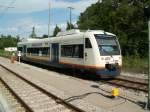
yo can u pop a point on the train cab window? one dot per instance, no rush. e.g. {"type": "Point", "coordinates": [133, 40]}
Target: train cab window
{"type": "Point", "coordinates": [87, 43]}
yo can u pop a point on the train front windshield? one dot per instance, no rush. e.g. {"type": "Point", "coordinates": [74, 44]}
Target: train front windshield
{"type": "Point", "coordinates": [108, 45]}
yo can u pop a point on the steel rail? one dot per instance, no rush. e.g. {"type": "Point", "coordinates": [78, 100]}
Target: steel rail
{"type": "Point", "coordinates": [57, 99]}
{"type": "Point", "coordinates": [133, 79]}
{"type": "Point", "coordinates": [27, 108]}
{"type": "Point", "coordinates": [129, 84]}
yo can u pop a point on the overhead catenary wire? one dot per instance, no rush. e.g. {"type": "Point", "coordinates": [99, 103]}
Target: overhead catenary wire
{"type": "Point", "coordinates": [6, 8]}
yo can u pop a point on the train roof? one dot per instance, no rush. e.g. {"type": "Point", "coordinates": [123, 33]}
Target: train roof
{"type": "Point", "coordinates": [64, 34]}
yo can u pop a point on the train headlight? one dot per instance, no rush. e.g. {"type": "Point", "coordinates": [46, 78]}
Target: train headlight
{"type": "Point", "coordinates": [107, 58]}
{"type": "Point", "coordinates": [119, 58]}
{"type": "Point", "coordinates": [102, 58]}
{"type": "Point", "coordinates": [116, 61]}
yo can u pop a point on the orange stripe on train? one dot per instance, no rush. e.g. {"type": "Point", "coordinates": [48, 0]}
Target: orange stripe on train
{"type": "Point", "coordinates": [81, 66]}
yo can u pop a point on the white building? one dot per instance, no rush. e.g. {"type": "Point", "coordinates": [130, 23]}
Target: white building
{"type": "Point", "coordinates": [10, 49]}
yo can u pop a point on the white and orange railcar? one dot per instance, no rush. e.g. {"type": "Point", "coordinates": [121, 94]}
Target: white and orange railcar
{"type": "Point", "coordinates": [95, 51]}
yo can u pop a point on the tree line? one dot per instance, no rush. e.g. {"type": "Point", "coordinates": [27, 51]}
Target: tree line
{"type": "Point", "coordinates": [8, 41]}
{"type": "Point", "coordinates": [57, 29]}
{"type": "Point", "coordinates": [125, 18]}
{"type": "Point", "coordinates": [11, 41]}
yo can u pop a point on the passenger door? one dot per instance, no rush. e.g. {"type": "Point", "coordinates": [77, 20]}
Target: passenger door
{"type": "Point", "coordinates": [24, 50]}
{"type": "Point", "coordinates": [55, 53]}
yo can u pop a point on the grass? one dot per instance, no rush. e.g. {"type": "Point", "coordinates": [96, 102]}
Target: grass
{"type": "Point", "coordinates": [5, 53]}
{"type": "Point", "coordinates": [135, 64]}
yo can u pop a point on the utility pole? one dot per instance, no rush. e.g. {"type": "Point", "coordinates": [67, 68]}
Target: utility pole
{"type": "Point", "coordinates": [148, 104]}
{"type": "Point", "coordinates": [147, 14]}
{"type": "Point", "coordinates": [70, 8]}
{"type": "Point", "coordinates": [49, 20]}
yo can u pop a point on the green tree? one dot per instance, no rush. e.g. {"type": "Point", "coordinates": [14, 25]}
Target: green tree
{"type": "Point", "coordinates": [7, 41]}
{"type": "Point", "coordinates": [56, 30]}
{"type": "Point", "coordinates": [69, 26]}
{"type": "Point", "coordinates": [45, 36]}
{"type": "Point", "coordinates": [125, 18]}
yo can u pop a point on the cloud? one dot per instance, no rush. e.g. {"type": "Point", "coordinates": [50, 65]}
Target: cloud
{"type": "Point", "coordinates": [23, 27]}
{"type": "Point", "coordinates": [28, 6]}
{"type": "Point", "coordinates": [9, 30]}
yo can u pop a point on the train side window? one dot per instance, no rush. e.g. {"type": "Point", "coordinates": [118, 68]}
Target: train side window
{"type": "Point", "coordinates": [45, 51]}
{"type": "Point", "coordinates": [87, 43]}
{"type": "Point", "coordinates": [76, 51]}
{"type": "Point", "coordinates": [20, 49]}
{"type": "Point", "coordinates": [36, 51]}
{"type": "Point", "coordinates": [72, 51]}
{"type": "Point", "coordinates": [66, 50]}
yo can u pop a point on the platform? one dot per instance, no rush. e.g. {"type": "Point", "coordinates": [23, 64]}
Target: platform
{"type": "Point", "coordinates": [76, 90]}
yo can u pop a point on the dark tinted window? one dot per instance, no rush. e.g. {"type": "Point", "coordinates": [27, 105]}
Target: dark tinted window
{"type": "Point", "coordinates": [20, 49]}
{"type": "Point", "coordinates": [72, 51]}
{"type": "Point", "coordinates": [36, 51]}
{"type": "Point", "coordinates": [87, 43]}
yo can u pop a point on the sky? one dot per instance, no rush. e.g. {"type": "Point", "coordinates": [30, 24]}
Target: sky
{"type": "Point", "coordinates": [17, 17]}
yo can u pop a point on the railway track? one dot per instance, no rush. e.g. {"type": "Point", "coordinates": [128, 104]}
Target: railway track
{"type": "Point", "coordinates": [32, 97]}
{"type": "Point", "coordinates": [123, 81]}
{"type": "Point", "coordinates": [130, 83]}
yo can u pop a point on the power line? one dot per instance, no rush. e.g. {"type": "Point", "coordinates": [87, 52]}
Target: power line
{"type": "Point", "coordinates": [7, 7]}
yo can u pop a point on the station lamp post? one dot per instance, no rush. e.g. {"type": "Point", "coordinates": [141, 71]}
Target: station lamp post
{"type": "Point", "coordinates": [147, 14]}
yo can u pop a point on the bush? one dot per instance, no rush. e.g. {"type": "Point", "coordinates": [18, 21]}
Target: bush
{"type": "Point", "coordinates": [135, 64]}
{"type": "Point", "coordinates": [5, 53]}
